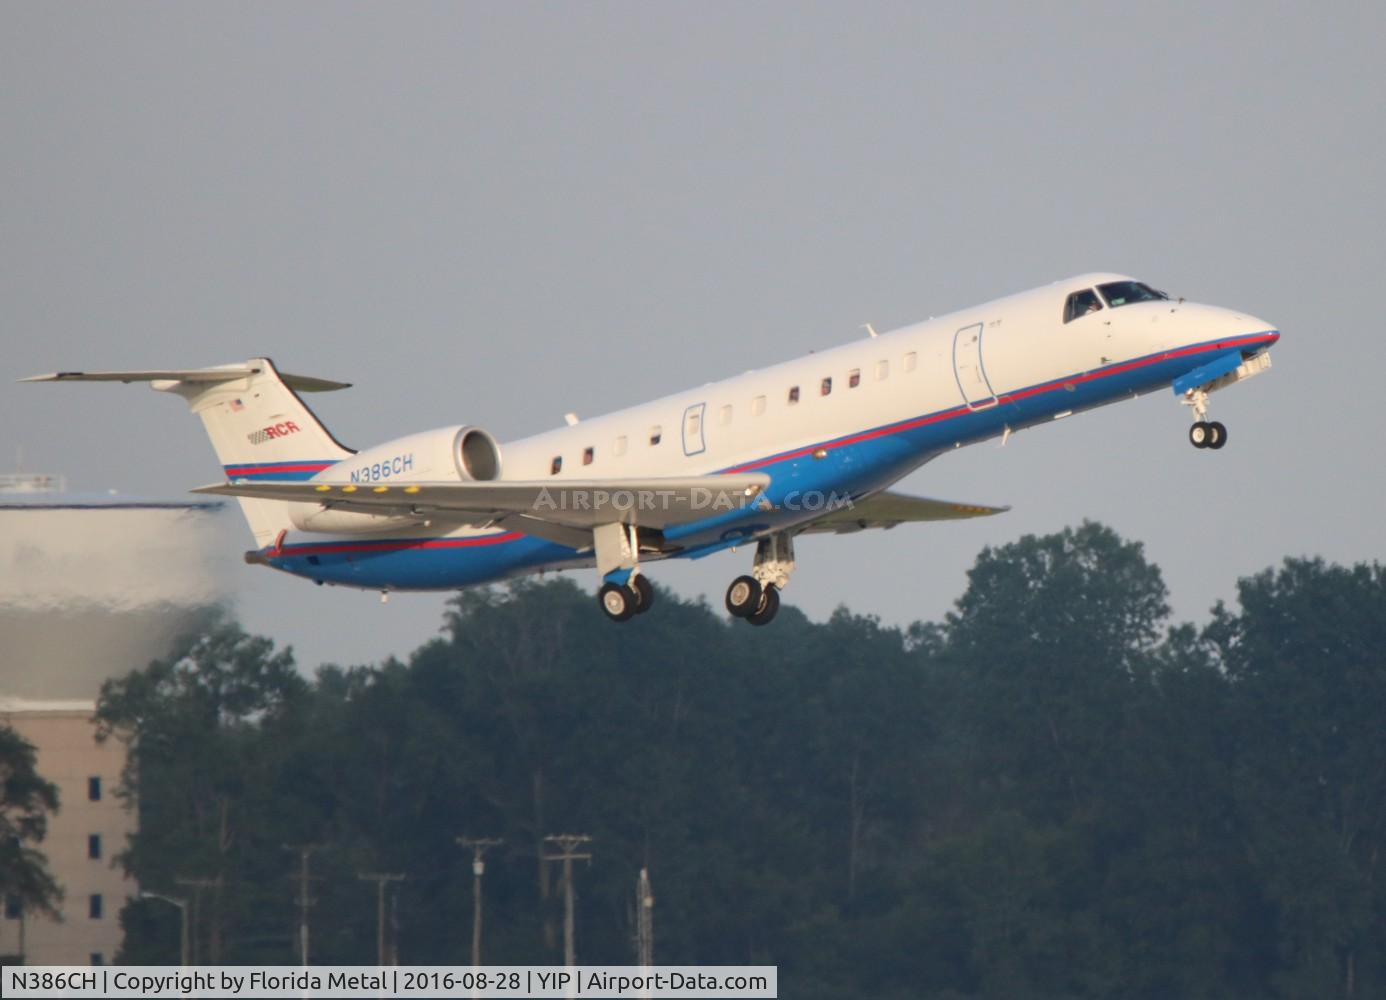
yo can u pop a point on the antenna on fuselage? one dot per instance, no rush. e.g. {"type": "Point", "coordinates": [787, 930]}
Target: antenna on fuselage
{"type": "Point", "coordinates": [870, 329]}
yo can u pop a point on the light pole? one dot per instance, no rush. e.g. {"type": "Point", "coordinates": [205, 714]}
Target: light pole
{"type": "Point", "coordinates": [182, 905]}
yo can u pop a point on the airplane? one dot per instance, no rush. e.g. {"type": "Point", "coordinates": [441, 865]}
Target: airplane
{"type": "Point", "coordinates": [809, 445]}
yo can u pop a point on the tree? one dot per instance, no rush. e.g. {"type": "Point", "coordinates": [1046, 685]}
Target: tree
{"type": "Point", "coordinates": [206, 742]}
{"type": "Point", "coordinates": [1306, 654]}
{"type": "Point", "coordinates": [26, 801]}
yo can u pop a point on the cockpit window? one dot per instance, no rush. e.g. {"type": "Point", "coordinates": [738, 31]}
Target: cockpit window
{"type": "Point", "coordinates": [1123, 293]}
{"type": "Point", "coordinates": [1080, 304]}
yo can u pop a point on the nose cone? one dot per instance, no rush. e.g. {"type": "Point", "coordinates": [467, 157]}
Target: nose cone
{"type": "Point", "coordinates": [1243, 327]}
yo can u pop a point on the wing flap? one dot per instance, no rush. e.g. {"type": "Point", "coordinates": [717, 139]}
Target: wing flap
{"type": "Point", "coordinates": [886, 510]}
{"type": "Point", "coordinates": [654, 503]}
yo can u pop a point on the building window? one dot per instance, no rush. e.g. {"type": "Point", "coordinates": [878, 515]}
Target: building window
{"type": "Point", "coordinates": [757, 406]}
{"type": "Point", "coordinates": [619, 448]}
{"type": "Point", "coordinates": [94, 846]}
{"type": "Point", "coordinates": [556, 466]}
{"type": "Point", "coordinates": [94, 906]}
{"type": "Point", "coordinates": [656, 435]}
{"type": "Point", "coordinates": [14, 908]}
{"type": "Point", "coordinates": [825, 387]}
{"type": "Point", "coordinates": [588, 454]}
{"type": "Point", "coordinates": [793, 395]}
{"type": "Point", "coordinates": [911, 359]}
{"type": "Point", "coordinates": [94, 788]}
{"type": "Point", "coordinates": [882, 370]}
{"type": "Point", "coordinates": [97, 958]}
{"type": "Point", "coordinates": [854, 378]}
{"type": "Point", "coordinates": [724, 415]}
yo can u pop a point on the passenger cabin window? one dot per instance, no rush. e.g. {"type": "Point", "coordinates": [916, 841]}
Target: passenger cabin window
{"type": "Point", "coordinates": [911, 359]}
{"type": "Point", "coordinates": [724, 415]}
{"type": "Point", "coordinates": [588, 454]}
{"type": "Point", "coordinates": [619, 448]}
{"type": "Point", "coordinates": [656, 435]}
{"type": "Point", "coordinates": [1080, 304]}
{"type": "Point", "coordinates": [1123, 293]}
{"type": "Point", "coordinates": [556, 466]}
{"type": "Point", "coordinates": [793, 395]}
{"type": "Point", "coordinates": [882, 370]}
{"type": "Point", "coordinates": [757, 406]}
{"type": "Point", "coordinates": [854, 378]}
{"type": "Point", "coordinates": [826, 387]}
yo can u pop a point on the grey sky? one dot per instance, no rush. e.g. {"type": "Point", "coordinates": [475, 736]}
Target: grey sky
{"type": "Point", "coordinates": [499, 213]}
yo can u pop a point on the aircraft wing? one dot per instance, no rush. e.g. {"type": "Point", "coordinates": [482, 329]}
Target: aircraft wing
{"type": "Point", "coordinates": [580, 504]}
{"type": "Point", "coordinates": [886, 510]}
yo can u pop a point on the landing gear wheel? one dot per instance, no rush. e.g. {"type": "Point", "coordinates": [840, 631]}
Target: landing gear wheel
{"type": "Point", "coordinates": [767, 608]}
{"type": "Point", "coordinates": [618, 602]}
{"type": "Point", "coordinates": [1200, 434]}
{"type": "Point", "coordinates": [644, 593]}
{"type": "Point", "coordinates": [743, 596]}
{"type": "Point", "coordinates": [1217, 435]}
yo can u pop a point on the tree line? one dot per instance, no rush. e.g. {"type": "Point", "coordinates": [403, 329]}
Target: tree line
{"type": "Point", "coordinates": [1054, 792]}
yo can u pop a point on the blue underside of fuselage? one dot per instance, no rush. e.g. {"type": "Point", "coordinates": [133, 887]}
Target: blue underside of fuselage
{"type": "Point", "coordinates": [854, 465]}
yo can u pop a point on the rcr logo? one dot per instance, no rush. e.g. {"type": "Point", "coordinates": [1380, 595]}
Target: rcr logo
{"type": "Point", "coordinates": [273, 431]}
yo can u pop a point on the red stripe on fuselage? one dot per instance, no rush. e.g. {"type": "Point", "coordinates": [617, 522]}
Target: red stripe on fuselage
{"type": "Point", "coordinates": [265, 470]}
{"type": "Point", "coordinates": [396, 545]}
{"type": "Point", "coordinates": [957, 411]}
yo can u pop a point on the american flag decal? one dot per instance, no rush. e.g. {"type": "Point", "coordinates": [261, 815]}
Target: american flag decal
{"type": "Point", "coordinates": [237, 406]}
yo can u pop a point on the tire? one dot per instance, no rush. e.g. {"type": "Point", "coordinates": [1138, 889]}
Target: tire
{"type": "Point", "coordinates": [769, 606]}
{"type": "Point", "coordinates": [743, 596]}
{"type": "Point", "coordinates": [618, 603]}
{"type": "Point", "coordinates": [1200, 434]}
{"type": "Point", "coordinates": [1217, 435]}
{"type": "Point", "coordinates": [644, 593]}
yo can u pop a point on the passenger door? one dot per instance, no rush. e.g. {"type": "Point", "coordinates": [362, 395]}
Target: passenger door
{"type": "Point", "coordinates": [693, 443]}
{"type": "Point", "coordinates": [967, 367]}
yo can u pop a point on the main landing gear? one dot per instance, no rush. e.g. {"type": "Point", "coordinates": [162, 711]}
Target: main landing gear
{"type": "Point", "coordinates": [626, 593]}
{"type": "Point", "coordinates": [756, 598]}
{"type": "Point", "coordinates": [623, 601]}
{"type": "Point", "coordinates": [1204, 433]}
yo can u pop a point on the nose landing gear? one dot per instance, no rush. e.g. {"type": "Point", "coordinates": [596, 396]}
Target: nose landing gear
{"type": "Point", "coordinates": [1204, 433]}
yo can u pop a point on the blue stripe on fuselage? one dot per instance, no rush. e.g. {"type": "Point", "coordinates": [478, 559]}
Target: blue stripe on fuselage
{"type": "Point", "coordinates": [858, 463]}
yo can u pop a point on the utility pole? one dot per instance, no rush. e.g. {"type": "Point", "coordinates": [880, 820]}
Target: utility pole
{"type": "Point", "coordinates": [381, 880]}
{"type": "Point", "coordinates": [197, 885]}
{"type": "Point", "coordinates": [305, 851]}
{"type": "Point", "coordinates": [566, 850]}
{"type": "Point", "coordinates": [479, 846]}
{"type": "Point", "coordinates": [182, 905]}
{"type": "Point", "coordinates": [644, 920]}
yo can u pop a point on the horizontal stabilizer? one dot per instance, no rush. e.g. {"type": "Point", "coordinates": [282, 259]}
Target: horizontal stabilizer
{"type": "Point", "coordinates": [886, 510]}
{"type": "Point", "coordinates": [227, 373]}
{"type": "Point", "coordinates": [653, 503]}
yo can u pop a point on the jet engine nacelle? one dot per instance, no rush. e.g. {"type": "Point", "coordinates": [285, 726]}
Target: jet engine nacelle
{"type": "Point", "coordinates": [450, 454]}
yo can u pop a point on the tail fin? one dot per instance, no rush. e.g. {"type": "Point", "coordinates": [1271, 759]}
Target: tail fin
{"type": "Point", "coordinates": [259, 426]}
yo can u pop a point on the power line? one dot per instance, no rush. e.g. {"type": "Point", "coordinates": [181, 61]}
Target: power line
{"type": "Point", "coordinates": [305, 852]}
{"type": "Point", "coordinates": [479, 846]}
{"type": "Point", "coordinates": [381, 880]}
{"type": "Point", "coordinates": [565, 850]}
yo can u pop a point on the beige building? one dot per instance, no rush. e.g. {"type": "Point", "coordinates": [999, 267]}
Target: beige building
{"type": "Point", "coordinates": [88, 831]}
{"type": "Point", "coordinates": [91, 587]}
